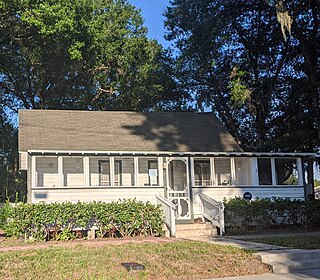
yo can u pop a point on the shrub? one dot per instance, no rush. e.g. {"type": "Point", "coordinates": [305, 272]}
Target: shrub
{"type": "Point", "coordinates": [243, 215]}
{"type": "Point", "coordinates": [58, 221]}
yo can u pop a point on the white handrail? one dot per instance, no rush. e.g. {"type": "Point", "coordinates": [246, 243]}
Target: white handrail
{"type": "Point", "coordinates": [169, 213]}
{"type": "Point", "coordinates": [213, 210]}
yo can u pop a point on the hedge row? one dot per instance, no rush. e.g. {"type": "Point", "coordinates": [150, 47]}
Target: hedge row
{"type": "Point", "coordinates": [243, 215]}
{"type": "Point", "coordinates": [60, 220]}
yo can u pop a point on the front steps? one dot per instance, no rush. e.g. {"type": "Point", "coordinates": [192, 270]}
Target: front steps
{"type": "Point", "coordinates": [195, 230]}
{"type": "Point", "coordinates": [286, 261]}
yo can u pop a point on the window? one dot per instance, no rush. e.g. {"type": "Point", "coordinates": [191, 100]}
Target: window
{"type": "Point", "coordinates": [104, 171]}
{"type": "Point", "coordinates": [286, 171]}
{"type": "Point", "coordinates": [223, 171]}
{"type": "Point", "coordinates": [148, 174]}
{"type": "Point", "coordinates": [264, 171]}
{"type": "Point", "coordinates": [202, 174]}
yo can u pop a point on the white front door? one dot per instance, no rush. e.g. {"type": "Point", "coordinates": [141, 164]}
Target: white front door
{"type": "Point", "coordinates": [178, 186]}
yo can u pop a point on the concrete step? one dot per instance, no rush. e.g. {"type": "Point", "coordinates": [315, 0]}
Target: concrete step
{"type": "Point", "coordinates": [195, 230]}
{"type": "Point", "coordinates": [286, 261]}
{"type": "Point", "coordinates": [197, 226]}
{"type": "Point", "coordinates": [289, 255]}
{"type": "Point", "coordinates": [294, 266]}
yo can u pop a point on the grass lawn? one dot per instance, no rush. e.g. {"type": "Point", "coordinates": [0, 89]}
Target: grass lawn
{"type": "Point", "coordinates": [172, 260]}
{"type": "Point", "coordinates": [299, 242]}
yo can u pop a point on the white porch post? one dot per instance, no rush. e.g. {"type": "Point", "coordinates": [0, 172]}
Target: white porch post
{"type": "Point", "coordinates": [300, 172]}
{"type": "Point", "coordinates": [33, 172]}
{"type": "Point", "coordinates": [273, 172]}
{"type": "Point", "coordinates": [192, 171]}
{"type": "Point", "coordinates": [160, 170]}
{"type": "Point", "coordinates": [213, 172]}
{"type": "Point", "coordinates": [60, 171]}
{"type": "Point", "coordinates": [233, 171]}
{"type": "Point", "coordinates": [111, 171]}
{"type": "Point", "coordinates": [254, 172]}
{"type": "Point", "coordinates": [136, 170]}
{"type": "Point", "coordinates": [86, 171]}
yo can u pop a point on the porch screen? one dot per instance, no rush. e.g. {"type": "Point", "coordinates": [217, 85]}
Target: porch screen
{"type": "Point", "coordinates": [242, 172]}
{"type": "Point", "coordinates": [264, 170]}
{"type": "Point", "coordinates": [286, 171]}
{"type": "Point", "coordinates": [202, 174]}
{"type": "Point", "coordinates": [47, 172]}
{"type": "Point", "coordinates": [223, 171]}
{"type": "Point", "coordinates": [104, 170]}
{"type": "Point", "coordinates": [148, 174]}
{"type": "Point", "coordinates": [123, 171]}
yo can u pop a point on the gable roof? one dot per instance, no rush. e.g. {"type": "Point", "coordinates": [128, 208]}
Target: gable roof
{"type": "Point", "coordinates": [63, 130]}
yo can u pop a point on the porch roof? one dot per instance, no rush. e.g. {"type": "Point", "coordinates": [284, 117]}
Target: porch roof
{"type": "Point", "coordinates": [112, 131]}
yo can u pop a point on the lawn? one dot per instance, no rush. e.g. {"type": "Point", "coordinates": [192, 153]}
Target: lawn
{"type": "Point", "coordinates": [167, 260]}
{"type": "Point", "coordinates": [299, 242]}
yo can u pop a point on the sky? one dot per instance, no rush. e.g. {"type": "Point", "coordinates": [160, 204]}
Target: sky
{"type": "Point", "coordinates": [152, 11]}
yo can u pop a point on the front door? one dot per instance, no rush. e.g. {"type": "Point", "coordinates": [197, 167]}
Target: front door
{"type": "Point", "coordinates": [178, 186]}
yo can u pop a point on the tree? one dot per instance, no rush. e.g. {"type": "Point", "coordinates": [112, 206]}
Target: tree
{"type": "Point", "coordinates": [234, 58]}
{"type": "Point", "coordinates": [78, 55]}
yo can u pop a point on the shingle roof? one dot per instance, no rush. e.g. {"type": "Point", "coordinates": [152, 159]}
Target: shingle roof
{"type": "Point", "coordinates": [64, 130]}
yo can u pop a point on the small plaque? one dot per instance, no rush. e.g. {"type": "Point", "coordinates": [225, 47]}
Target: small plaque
{"type": "Point", "coordinates": [247, 195]}
{"type": "Point", "coordinates": [133, 266]}
{"type": "Point", "coordinates": [153, 172]}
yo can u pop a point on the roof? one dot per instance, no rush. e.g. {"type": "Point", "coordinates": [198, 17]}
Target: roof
{"type": "Point", "coordinates": [65, 130]}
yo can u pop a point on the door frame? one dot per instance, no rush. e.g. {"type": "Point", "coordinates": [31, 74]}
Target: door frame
{"type": "Point", "coordinates": [186, 191]}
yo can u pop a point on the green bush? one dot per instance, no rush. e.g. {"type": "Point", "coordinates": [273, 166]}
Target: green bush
{"type": "Point", "coordinates": [58, 221]}
{"type": "Point", "coordinates": [260, 214]}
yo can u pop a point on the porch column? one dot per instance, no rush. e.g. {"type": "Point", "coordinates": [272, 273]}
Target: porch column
{"type": "Point", "coordinates": [233, 171]}
{"type": "Point", "coordinates": [160, 170]}
{"type": "Point", "coordinates": [254, 172]}
{"type": "Point", "coordinates": [300, 172]}
{"type": "Point", "coordinates": [136, 170]}
{"type": "Point", "coordinates": [111, 171]}
{"type": "Point", "coordinates": [192, 171]}
{"type": "Point", "coordinates": [60, 171]}
{"type": "Point", "coordinates": [33, 172]}
{"type": "Point", "coordinates": [213, 172]}
{"type": "Point", "coordinates": [86, 171]}
{"type": "Point", "coordinates": [273, 172]}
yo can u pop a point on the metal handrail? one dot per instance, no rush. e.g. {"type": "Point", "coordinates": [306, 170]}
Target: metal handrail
{"type": "Point", "coordinates": [169, 210]}
{"type": "Point", "coordinates": [213, 210]}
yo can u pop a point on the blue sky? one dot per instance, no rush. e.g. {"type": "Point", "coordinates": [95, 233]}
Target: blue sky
{"type": "Point", "coordinates": [152, 11]}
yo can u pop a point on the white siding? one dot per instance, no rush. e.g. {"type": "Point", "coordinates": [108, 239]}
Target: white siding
{"type": "Point", "coordinates": [219, 193]}
{"type": "Point", "coordinates": [23, 160]}
{"type": "Point", "coordinates": [95, 194]}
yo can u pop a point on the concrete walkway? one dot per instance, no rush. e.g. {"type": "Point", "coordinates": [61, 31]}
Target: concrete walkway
{"type": "Point", "coordinates": [238, 241]}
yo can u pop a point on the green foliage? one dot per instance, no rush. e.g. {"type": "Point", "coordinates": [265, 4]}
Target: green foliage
{"type": "Point", "coordinates": [57, 221]}
{"type": "Point", "coordinates": [261, 214]}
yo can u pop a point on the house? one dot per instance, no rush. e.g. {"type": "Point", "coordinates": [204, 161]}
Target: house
{"type": "Point", "coordinates": [107, 156]}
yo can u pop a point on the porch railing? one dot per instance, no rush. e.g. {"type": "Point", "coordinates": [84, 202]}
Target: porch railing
{"type": "Point", "coordinates": [213, 211]}
{"type": "Point", "coordinates": [169, 210]}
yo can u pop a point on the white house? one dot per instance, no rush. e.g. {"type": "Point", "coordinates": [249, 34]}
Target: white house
{"type": "Point", "coordinates": [107, 156]}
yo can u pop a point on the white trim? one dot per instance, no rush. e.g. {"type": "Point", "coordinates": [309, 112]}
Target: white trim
{"type": "Point", "coordinates": [136, 170]}
{"type": "Point", "coordinates": [192, 171]}
{"type": "Point", "coordinates": [160, 170]}
{"type": "Point", "coordinates": [273, 172]}
{"type": "Point", "coordinates": [232, 171]}
{"type": "Point", "coordinates": [60, 171]}
{"type": "Point", "coordinates": [300, 172]}
{"type": "Point", "coordinates": [111, 171]}
{"type": "Point", "coordinates": [33, 172]}
{"type": "Point", "coordinates": [86, 171]}
{"type": "Point", "coordinates": [178, 153]}
{"type": "Point", "coordinates": [213, 172]}
{"type": "Point", "coordinates": [254, 171]}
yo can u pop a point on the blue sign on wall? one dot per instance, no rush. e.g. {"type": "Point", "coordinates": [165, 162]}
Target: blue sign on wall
{"type": "Point", "coordinates": [247, 195]}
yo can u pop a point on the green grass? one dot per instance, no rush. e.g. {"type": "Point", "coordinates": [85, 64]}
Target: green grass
{"type": "Point", "coordinates": [172, 260]}
{"type": "Point", "coordinates": [299, 242]}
